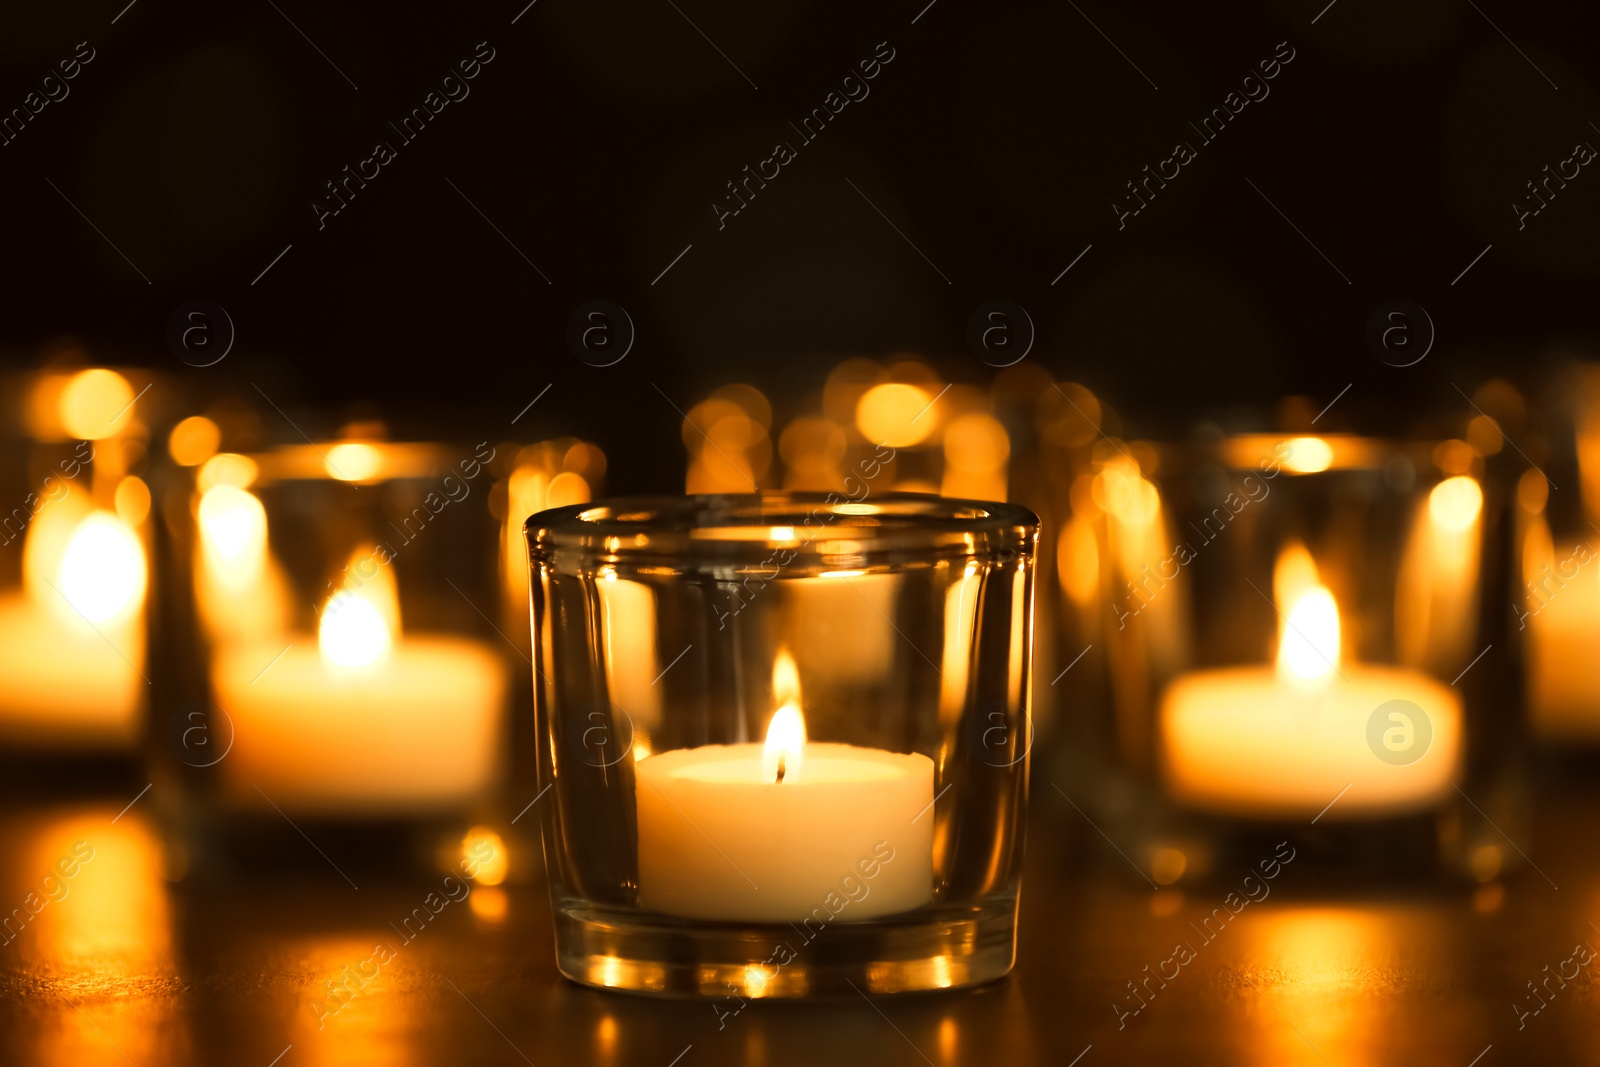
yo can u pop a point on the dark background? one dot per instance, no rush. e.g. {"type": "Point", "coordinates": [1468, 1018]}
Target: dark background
{"type": "Point", "coordinates": [599, 136]}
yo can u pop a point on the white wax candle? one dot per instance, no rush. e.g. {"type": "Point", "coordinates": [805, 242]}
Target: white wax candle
{"type": "Point", "coordinates": [72, 643]}
{"type": "Point", "coordinates": [1244, 741]}
{"type": "Point", "coordinates": [720, 839]}
{"type": "Point", "coordinates": [1563, 622]}
{"type": "Point", "coordinates": [62, 683]}
{"type": "Point", "coordinates": [418, 731]}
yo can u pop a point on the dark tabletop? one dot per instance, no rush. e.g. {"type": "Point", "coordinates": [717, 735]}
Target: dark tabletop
{"type": "Point", "coordinates": [126, 967]}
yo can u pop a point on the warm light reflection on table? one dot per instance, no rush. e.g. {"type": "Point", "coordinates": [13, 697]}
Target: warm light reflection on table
{"type": "Point", "coordinates": [1311, 973]}
{"type": "Point", "coordinates": [232, 974]}
{"type": "Point", "coordinates": [99, 948]}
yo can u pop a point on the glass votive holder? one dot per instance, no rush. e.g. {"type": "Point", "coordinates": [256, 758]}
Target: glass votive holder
{"type": "Point", "coordinates": [354, 703]}
{"type": "Point", "coordinates": [1556, 603]}
{"type": "Point", "coordinates": [75, 579]}
{"type": "Point", "coordinates": [1299, 650]}
{"type": "Point", "coordinates": [784, 740]}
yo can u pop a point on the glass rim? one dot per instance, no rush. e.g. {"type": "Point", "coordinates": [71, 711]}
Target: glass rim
{"type": "Point", "coordinates": [822, 527]}
{"type": "Point", "coordinates": [1311, 454]}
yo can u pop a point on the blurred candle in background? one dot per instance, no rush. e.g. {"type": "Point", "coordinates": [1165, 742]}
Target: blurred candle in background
{"type": "Point", "coordinates": [551, 474]}
{"type": "Point", "coordinates": [72, 638]}
{"type": "Point", "coordinates": [632, 657]}
{"type": "Point", "coordinates": [1284, 741]}
{"type": "Point", "coordinates": [370, 720]}
{"type": "Point", "coordinates": [72, 642]}
{"type": "Point", "coordinates": [729, 443]}
{"type": "Point", "coordinates": [1559, 620]}
{"type": "Point", "coordinates": [1436, 608]}
{"type": "Point", "coordinates": [1142, 569]}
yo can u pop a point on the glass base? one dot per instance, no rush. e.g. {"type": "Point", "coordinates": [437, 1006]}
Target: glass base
{"type": "Point", "coordinates": [234, 845]}
{"type": "Point", "coordinates": [612, 948]}
{"type": "Point", "coordinates": [1455, 843]}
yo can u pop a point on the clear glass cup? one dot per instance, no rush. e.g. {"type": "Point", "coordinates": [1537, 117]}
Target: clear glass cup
{"type": "Point", "coordinates": [345, 701]}
{"type": "Point", "coordinates": [1299, 635]}
{"type": "Point", "coordinates": [77, 577]}
{"type": "Point", "coordinates": [785, 740]}
{"type": "Point", "coordinates": [1556, 600]}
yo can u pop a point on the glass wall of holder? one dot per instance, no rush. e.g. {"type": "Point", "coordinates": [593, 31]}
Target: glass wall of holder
{"type": "Point", "coordinates": [785, 739]}
{"type": "Point", "coordinates": [1298, 643]}
{"type": "Point", "coordinates": [350, 685]}
{"type": "Point", "coordinates": [75, 549]}
{"type": "Point", "coordinates": [1557, 602]}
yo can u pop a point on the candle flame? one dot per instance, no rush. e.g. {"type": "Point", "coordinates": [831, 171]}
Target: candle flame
{"type": "Point", "coordinates": [233, 534]}
{"type": "Point", "coordinates": [93, 402]}
{"type": "Point", "coordinates": [353, 461]}
{"type": "Point", "coordinates": [785, 680]}
{"type": "Point", "coordinates": [786, 741]}
{"type": "Point", "coordinates": [1294, 575]}
{"type": "Point", "coordinates": [1308, 455]}
{"type": "Point", "coordinates": [1309, 637]}
{"type": "Point", "coordinates": [786, 734]}
{"type": "Point", "coordinates": [362, 618]}
{"type": "Point", "coordinates": [103, 572]}
{"type": "Point", "coordinates": [1308, 645]}
{"type": "Point", "coordinates": [1455, 503]}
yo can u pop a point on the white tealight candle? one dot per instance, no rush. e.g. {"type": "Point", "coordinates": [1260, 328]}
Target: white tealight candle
{"type": "Point", "coordinates": [72, 643]}
{"type": "Point", "coordinates": [785, 830]}
{"type": "Point", "coordinates": [1562, 620]}
{"type": "Point", "coordinates": [368, 723]}
{"type": "Point", "coordinates": [1285, 742]}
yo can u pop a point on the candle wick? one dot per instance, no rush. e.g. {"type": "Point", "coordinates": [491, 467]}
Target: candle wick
{"type": "Point", "coordinates": [781, 768]}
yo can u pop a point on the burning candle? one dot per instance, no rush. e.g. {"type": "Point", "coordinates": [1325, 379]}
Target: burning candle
{"type": "Point", "coordinates": [1560, 617]}
{"type": "Point", "coordinates": [72, 642]}
{"type": "Point", "coordinates": [1285, 741]}
{"type": "Point", "coordinates": [770, 832]}
{"type": "Point", "coordinates": [369, 722]}
{"type": "Point", "coordinates": [1562, 620]}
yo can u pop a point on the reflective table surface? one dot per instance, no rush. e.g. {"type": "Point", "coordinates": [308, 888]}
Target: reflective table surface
{"type": "Point", "coordinates": [103, 962]}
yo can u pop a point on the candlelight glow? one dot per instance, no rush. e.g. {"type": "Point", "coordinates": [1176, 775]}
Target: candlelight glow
{"type": "Point", "coordinates": [786, 734]}
{"type": "Point", "coordinates": [484, 849]}
{"type": "Point", "coordinates": [1309, 649]}
{"type": "Point", "coordinates": [227, 468]}
{"type": "Point", "coordinates": [353, 461]}
{"type": "Point", "coordinates": [361, 620]}
{"type": "Point", "coordinates": [976, 452]}
{"type": "Point", "coordinates": [1294, 574]}
{"type": "Point", "coordinates": [786, 740]}
{"type": "Point", "coordinates": [1078, 562]}
{"type": "Point", "coordinates": [193, 441]}
{"type": "Point", "coordinates": [132, 500]}
{"type": "Point", "coordinates": [567, 488]}
{"type": "Point", "coordinates": [1308, 640]}
{"type": "Point", "coordinates": [233, 535]}
{"type": "Point", "coordinates": [1455, 503]}
{"type": "Point", "coordinates": [1308, 455]}
{"type": "Point", "coordinates": [1127, 496]}
{"type": "Point", "coordinates": [112, 921]}
{"type": "Point", "coordinates": [103, 573]}
{"type": "Point", "coordinates": [755, 980]}
{"type": "Point", "coordinates": [785, 679]}
{"type": "Point", "coordinates": [489, 904]}
{"type": "Point", "coordinates": [93, 402]}
{"type": "Point", "coordinates": [892, 414]}
{"type": "Point", "coordinates": [46, 543]}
